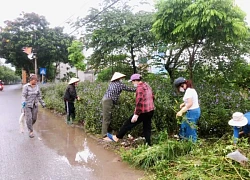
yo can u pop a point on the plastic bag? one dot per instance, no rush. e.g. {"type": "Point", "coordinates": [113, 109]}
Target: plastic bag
{"type": "Point", "coordinates": [21, 122]}
{"type": "Point", "coordinates": [237, 156]}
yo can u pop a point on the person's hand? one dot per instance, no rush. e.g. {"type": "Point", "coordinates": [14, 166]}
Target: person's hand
{"type": "Point", "coordinates": [78, 98]}
{"type": "Point", "coordinates": [23, 104]}
{"type": "Point", "coordinates": [179, 114]}
{"type": "Point", "coordinates": [182, 105]}
{"type": "Point", "coordinates": [183, 110]}
{"type": "Point", "coordinates": [44, 105]}
{"type": "Point", "coordinates": [134, 118]}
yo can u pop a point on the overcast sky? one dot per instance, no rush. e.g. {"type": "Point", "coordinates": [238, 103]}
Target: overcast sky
{"type": "Point", "coordinates": [57, 12]}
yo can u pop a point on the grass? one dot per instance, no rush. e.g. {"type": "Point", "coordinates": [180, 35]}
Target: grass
{"type": "Point", "coordinates": [205, 160]}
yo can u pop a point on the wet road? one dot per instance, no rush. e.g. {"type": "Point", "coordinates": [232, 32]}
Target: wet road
{"type": "Point", "coordinates": [58, 151]}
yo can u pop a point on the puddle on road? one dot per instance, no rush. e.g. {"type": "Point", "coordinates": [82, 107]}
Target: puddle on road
{"type": "Point", "coordinates": [76, 149]}
{"type": "Point", "coordinates": [71, 143]}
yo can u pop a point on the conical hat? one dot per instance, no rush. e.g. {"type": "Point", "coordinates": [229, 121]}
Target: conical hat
{"type": "Point", "coordinates": [117, 75]}
{"type": "Point", "coordinates": [73, 80]}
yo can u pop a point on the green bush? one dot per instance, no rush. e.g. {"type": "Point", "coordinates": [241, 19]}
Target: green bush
{"type": "Point", "coordinates": [217, 101]}
{"type": "Point", "coordinates": [106, 74]}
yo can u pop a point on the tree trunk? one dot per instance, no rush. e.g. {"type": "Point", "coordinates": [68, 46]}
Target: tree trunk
{"type": "Point", "coordinates": [190, 66]}
{"type": "Point", "coordinates": [170, 71]}
{"type": "Point", "coordinates": [133, 58]}
{"type": "Point", "coordinates": [191, 61]}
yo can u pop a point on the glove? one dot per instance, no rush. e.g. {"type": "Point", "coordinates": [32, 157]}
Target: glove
{"type": "Point", "coordinates": [134, 118]}
{"type": "Point", "coordinates": [23, 104]}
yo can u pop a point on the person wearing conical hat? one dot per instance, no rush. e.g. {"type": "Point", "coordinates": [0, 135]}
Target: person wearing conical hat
{"type": "Point", "coordinates": [143, 113]}
{"type": "Point", "coordinates": [241, 124]}
{"type": "Point", "coordinates": [70, 96]}
{"type": "Point", "coordinates": [111, 97]}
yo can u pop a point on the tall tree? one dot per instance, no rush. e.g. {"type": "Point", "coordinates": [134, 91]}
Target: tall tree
{"type": "Point", "coordinates": [32, 30]}
{"type": "Point", "coordinates": [76, 56]}
{"type": "Point", "coordinates": [196, 25]}
{"type": "Point", "coordinates": [118, 30]}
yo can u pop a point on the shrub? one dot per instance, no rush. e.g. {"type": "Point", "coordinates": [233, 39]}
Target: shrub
{"type": "Point", "coordinates": [217, 101]}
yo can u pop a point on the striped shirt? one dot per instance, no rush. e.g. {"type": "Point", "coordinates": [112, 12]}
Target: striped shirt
{"type": "Point", "coordinates": [114, 90]}
{"type": "Point", "coordinates": [144, 99]}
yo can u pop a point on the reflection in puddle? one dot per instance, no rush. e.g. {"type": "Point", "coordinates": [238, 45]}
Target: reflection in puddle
{"type": "Point", "coordinates": [84, 155]}
{"type": "Point", "coordinates": [78, 152]}
{"type": "Point", "coordinates": [63, 158]}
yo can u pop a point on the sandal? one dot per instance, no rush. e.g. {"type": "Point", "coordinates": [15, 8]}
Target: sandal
{"type": "Point", "coordinates": [31, 135]}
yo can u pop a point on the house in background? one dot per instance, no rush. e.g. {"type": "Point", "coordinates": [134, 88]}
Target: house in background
{"type": "Point", "coordinates": [156, 63]}
{"type": "Point", "coordinates": [63, 69]}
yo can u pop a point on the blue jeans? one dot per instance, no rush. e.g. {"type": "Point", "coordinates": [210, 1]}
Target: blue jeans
{"type": "Point", "coordinates": [188, 129]}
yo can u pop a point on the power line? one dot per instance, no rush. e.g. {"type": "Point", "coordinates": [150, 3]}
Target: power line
{"type": "Point", "coordinates": [74, 13]}
{"type": "Point", "coordinates": [95, 15]}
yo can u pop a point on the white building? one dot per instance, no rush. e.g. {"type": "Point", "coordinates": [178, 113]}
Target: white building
{"type": "Point", "coordinates": [63, 69]}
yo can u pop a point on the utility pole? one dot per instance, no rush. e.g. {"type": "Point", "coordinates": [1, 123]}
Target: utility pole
{"type": "Point", "coordinates": [34, 52]}
{"type": "Point", "coordinates": [35, 62]}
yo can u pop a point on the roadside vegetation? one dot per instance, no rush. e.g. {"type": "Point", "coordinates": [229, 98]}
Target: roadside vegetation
{"type": "Point", "coordinates": [8, 76]}
{"type": "Point", "coordinates": [169, 158]}
{"type": "Point", "coordinates": [206, 41]}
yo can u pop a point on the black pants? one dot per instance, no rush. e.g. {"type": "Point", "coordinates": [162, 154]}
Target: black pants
{"type": "Point", "coordinates": [145, 118]}
{"type": "Point", "coordinates": [70, 109]}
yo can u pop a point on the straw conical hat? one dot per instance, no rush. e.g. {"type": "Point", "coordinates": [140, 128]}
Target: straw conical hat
{"type": "Point", "coordinates": [73, 80]}
{"type": "Point", "coordinates": [117, 75]}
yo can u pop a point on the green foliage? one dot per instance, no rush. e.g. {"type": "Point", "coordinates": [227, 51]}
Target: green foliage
{"type": "Point", "coordinates": [8, 76]}
{"type": "Point", "coordinates": [170, 159]}
{"type": "Point", "coordinates": [53, 97]}
{"type": "Point", "coordinates": [68, 76]}
{"type": "Point", "coordinates": [218, 101]}
{"type": "Point", "coordinates": [194, 27]}
{"type": "Point", "coordinates": [75, 55]}
{"type": "Point", "coordinates": [32, 30]}
{"type": "Point", "coordinates": [106, 74]}
{"type": "Point", "coordinates": [117, 30]}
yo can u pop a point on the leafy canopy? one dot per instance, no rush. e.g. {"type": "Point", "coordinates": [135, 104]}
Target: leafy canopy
{"type": "Point", "coordinates": [32, 30]}
{"type": "Point", "coordinates": [197, 25]}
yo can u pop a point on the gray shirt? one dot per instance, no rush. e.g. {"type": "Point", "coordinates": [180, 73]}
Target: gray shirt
{"type": "Point", "coordinates": [31, 95]}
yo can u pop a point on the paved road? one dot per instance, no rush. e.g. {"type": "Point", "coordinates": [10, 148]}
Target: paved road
{"type": "Point", "coordinates": [58, 151]}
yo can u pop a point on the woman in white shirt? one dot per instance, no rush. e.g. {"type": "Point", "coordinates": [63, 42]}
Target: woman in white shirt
{"type": "Point", "coordinates": [188, 129]}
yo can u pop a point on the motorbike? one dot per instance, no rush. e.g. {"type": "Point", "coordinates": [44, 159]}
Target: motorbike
{"type": "Point", "coordinates": [1, 87]}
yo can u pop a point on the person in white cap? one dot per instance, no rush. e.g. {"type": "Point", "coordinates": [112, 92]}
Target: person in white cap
{"type": "Point", "coordinates": [69, 99]}
{"type": "Point", "coordinates": [110, 98]}
{"type": "Point", "coordinates": [241, 124]}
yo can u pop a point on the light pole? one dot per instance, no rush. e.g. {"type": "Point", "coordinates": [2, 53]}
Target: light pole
{"type": "Point", "coordinates": [34, 54]}
{"type": "Point", "coordinates": [35, 61]}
